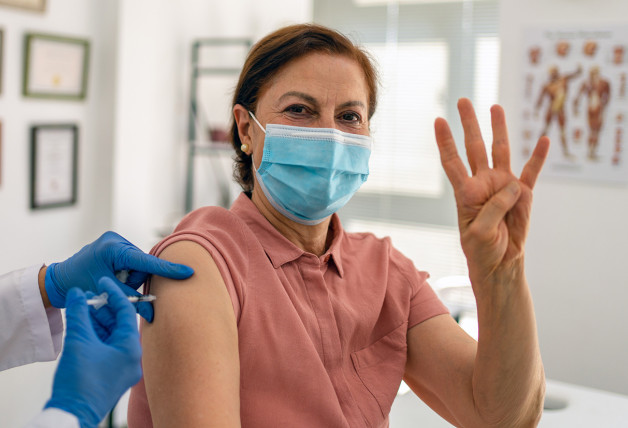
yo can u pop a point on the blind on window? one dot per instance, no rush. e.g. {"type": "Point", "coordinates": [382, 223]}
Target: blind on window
{"type": "Point", "coordinates": [429, 54]}
{"type": "Point", "coordinates": [405, 156]}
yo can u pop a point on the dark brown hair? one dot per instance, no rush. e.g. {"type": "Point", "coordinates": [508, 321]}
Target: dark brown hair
{"type": "Point", "coordinates": [268, 56]}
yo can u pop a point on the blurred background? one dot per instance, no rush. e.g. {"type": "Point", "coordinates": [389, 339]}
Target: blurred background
{"type": "Point", "coordinates": [150, 146]}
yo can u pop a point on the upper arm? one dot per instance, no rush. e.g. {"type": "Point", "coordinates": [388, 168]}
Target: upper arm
{"type": "Point", "coordinates": [440, 366]}
{"type": "Point", "coordinates": [191, 364]}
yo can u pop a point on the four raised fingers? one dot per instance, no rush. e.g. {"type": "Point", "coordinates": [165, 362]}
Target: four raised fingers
{"type": "Point", "coordinates": [476, 152]}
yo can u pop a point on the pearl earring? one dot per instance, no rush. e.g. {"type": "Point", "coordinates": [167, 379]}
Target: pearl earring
{"type": "Point", "coordinates": [244, 148]}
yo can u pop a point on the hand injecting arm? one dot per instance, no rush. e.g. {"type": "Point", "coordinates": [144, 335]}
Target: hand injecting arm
{"type": "Point", "coordinates": [101, 355]}
{"type": "Point", "coordinates": [108, 256]}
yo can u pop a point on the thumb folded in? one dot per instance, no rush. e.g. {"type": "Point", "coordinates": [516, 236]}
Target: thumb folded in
{"type": "Point", "coordinates": [496, 208]}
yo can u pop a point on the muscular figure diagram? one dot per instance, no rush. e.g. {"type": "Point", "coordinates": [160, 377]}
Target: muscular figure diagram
{"type": "Point", "coordinates": [556, 90]}
{"type": "Point", "coordinates": [597, 91]}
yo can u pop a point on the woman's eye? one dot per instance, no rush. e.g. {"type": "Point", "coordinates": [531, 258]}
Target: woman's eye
{"type": "Point", "coordinates": [352, 117]}
{"type": "Point", "coordinates": [297, 109]}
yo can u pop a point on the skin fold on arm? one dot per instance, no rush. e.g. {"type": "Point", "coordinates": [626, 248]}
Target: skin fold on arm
{"type": "Point", "coordinates": [498, 381]}
{"type": "Point", "coordinates": [190, 359]}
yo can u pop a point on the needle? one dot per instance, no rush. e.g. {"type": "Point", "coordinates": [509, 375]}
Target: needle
{"type": "Point", "coordinates": [98, 301]}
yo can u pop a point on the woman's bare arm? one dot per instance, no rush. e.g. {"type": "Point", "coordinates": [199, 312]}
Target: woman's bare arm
{"type": "Point", "coordinates": [500, 381]}
{"type": "Point", "coordinates": [191, 364]}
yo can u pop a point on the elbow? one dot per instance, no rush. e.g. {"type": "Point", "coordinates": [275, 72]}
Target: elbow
{"type": "Point", "coordinates": [525, 415]}
{"type": "Point", "coordinates": [531, 416]}
{"type": "Point", "coordinates": [531, 412]}
{"type": "Point", "coordinates": [537, 400]}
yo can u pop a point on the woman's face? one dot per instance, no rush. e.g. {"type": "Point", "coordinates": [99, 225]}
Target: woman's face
{"type": "Point", "coordinates": [318, 90]}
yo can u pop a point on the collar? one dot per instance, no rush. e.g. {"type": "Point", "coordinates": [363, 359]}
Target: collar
{"type": "Point", "coordinates": [279, 249]}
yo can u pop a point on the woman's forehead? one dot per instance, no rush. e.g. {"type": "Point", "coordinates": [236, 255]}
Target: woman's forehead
{"type": "Point", "coordinates": [320, 75]}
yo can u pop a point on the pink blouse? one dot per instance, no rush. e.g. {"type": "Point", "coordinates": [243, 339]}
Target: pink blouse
{"type": "Point", "coordinates": [322, 340]}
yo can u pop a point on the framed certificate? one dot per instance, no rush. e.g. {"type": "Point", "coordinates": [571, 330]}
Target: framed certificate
{"type": "Point", "coordinates": [54, 158]}
{"type": "Point", "coordinates": [32, 5]}
{"type": "Point", "coordinates": [55, 67]}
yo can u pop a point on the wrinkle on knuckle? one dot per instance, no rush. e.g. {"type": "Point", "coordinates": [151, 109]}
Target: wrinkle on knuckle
{"type": "Point", "coordinates": [475, 232]}
{"type": "Point", "coordinates": [499, 203]}
{"type": "Point", "coordinates": [500, 141]}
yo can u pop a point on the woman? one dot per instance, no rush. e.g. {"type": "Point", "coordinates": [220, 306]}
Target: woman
{"type": "Point", "coordinates": [291, 321]}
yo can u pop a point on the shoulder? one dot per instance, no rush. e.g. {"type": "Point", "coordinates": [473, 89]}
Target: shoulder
{"type": "Point", "coordinates": [210, 219]}
{"type": "Point", "coordinates": [219, 233]}
{"type": "Point", "coordinates": [213, 228]}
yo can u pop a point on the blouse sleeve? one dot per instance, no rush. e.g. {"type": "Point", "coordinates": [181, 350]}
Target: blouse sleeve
{"type": "Point", "coordinates": [424, 304]}
{"type": "Point", "coordinates": [221, 234]}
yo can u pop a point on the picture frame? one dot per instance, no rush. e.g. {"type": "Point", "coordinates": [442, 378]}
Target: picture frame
{"type": "Point", "coordinates": [54, 163]}
{"type": "Point", "coordinates": [30, 5]}
{"type": "Point", "coordinates": [55, 67]}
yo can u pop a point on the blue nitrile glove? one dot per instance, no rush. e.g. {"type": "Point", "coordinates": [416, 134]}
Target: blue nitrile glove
{"type": "Point", "coordinates": [101, 355]}
{"type": "Point", "coordinates": [107, 256]}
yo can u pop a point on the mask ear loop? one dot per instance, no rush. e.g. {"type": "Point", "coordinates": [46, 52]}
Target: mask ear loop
{"type": "Point", "coordinates": [256, 121]}
{"type": "Point", "coordinates": [263, 130]}
{"type": "Point", "coordinates": [245, 147]}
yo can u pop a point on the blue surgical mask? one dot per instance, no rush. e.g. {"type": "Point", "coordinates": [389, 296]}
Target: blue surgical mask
{"type": "Point", "coordinates": [307, 174]}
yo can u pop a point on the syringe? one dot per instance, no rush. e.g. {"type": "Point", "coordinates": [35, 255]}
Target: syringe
{"type": "Point", "coordinates": [98, 301]}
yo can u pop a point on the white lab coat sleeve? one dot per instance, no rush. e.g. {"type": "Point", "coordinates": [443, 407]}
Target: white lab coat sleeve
{"type": "Point", "coordinates": [54, 418]}
{"type": "Point", "coordinates": [29, 332]}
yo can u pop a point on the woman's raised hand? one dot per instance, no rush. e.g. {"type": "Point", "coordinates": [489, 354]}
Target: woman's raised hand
{"type": "Point", "coordinates": [493, 204]}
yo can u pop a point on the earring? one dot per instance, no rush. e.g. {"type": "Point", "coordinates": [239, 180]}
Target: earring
{"type": "Point", "coordinates": [244, 148]}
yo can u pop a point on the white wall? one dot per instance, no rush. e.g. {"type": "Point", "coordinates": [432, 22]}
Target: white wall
{"type": "Point", "coordinates": [155, 39]}
{"type": "Point", "coordinates": [56, 233]}
{"type": "Point", "coordinates": [578, 245]}
{"type": "Point", "coordinates": [30, 237]}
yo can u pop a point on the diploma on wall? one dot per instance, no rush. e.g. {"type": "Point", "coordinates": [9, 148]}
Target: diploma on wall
{"type": "Point", "coordinates": [54, 162]}
{"type": "Point", "coordinates": [55, 67]}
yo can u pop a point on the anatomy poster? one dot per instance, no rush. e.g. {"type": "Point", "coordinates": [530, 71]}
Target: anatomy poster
{"type": "Point", "coordinates": [575, 92]}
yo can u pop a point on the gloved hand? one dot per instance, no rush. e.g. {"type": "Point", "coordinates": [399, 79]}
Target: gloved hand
{"type": "Point", "coordinates": [101, 355]}
{"type": "Point", "coordinates": [107, 256]}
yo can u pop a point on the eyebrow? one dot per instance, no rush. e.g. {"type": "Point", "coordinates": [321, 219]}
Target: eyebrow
{"type": "Point", "coordinates": [301, 95]}
{"type": "Point", "coordinates": [353, 104]}
{"type": "Point", "coordinates": [310, 99]}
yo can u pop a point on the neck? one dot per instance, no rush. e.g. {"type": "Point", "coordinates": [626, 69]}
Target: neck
{"type": "Point", "coordinates": [312, 239]}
